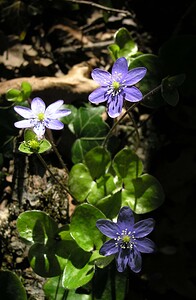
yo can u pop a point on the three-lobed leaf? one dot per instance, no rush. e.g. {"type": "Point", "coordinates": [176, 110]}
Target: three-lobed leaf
{"type": "Point", "coordinates": [142, 194]}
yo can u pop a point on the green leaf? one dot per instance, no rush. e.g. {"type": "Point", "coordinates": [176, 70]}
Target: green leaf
{"type": "Point", "coordinates": [14, 95]}
{"type": "Point", "coordinates": [31, 143]}
{"type": "Point", "coordinates": [124, 45]}
{"type": "Point", "coordinates": [50, 287]}
{"type": "Point", "coordinates": [83, 226]}
{"type": "Point", "coordinates": [34, 146]}
{"type": "Point", "coordinates": [74, 277]}
{"type": "Point", "coordinates": [169, 88]}
{"type": "Point", "coordinates": [42, 231]}
{"type": "Point", "coordinates": [114, 50]}
{"type": "Point", "coordinates": [43, 260]}
{"type": "Point", "coordinates": [142, 194]}
{"type": "Point", "coordinates": [127, 164]}
{"type": "Point", "coordinates": [27, 221]}
{"type": "Point", "coordinates": [26, 90]}
{"type": "Point", "coordinates": [80, 182]}
{"type": "Point", "coordinates": [122, 36]}
{"type": "Point", "coordinates": [89, 129]}
{"type": "Point", "coordinates": [171, 96]}
{"type": "Point", "coordinates": [24, 147]}
{"type": "Point", "coordinates": [44, 146]}
{"type": "Point", "coordinates": [73, 295]}
{"type": "Point", "coordinates": [11, 287]}
{"type": "Point", "coordinates": [78, 269]}
{"type": "Point", "coordinates": [102, 261]}
{"type": "Point", "coordinates": [103, 187]}
{"type": "Point", "coordinates": [97, 161]}
{"type": "Point", "coordinates": [81, 147]}
{"type": "Point", "coordinates": [105, 195]}
{"type": "Point", "coordinates": [88, 122]}
{"type": "Point", "coordinates": [151, 80]}
{"type": "Point", "coordinates": [29, 135]}
{"type": "Point", "coordinates": [111, 204]}
{"type": "Point", "coordinates": [177, 80]}
{"type": "Point", "coordinates": [21, 95]}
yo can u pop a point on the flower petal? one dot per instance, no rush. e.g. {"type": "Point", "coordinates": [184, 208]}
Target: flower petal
{"type": "Point", "coordinates": [25, 112]}
{"type": "Point", "coordinates": [119, 69]}
{"type": "Point", "coordinates": [38, 105]}
{"type": "Point", "coordinates": [24, 124]}
{"type": "Point", "coordinates": [143, 227]}
{"type": "Point", "coordinates": [52, 108]}
{"type": "Point", "coordinates": [39, 129]}
{"type": "Point", "coordinates": [54, 124]}
{"type": "Point", "coordinates": [102, 77]}
{"type": "Point", "coordinates": [135, 261]}
{"type": "Point", "coordinates": [135, 75]}
{"type": "Point", "coordinates": [98, 95]}
{"type": "Point", "coordinates": [125, 218]}
{"type": "Point", "coordinates": [108, 248]}
{"type": "Point", "coordinates": [60, 113]}
{"type": "Point", "coordinates": [145, 245]}
{"type": "Point", "coordinates": [108, 228]}
{"type": "Point", "coordinates": [115, 104]}
{"type": "Point", "coordinates": [133, 94]}
{"type": "Point", "coordinates": [122, 259]}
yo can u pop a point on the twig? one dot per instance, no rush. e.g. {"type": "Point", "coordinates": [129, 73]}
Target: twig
{"type": "Point", "coordinates": [126, 12]}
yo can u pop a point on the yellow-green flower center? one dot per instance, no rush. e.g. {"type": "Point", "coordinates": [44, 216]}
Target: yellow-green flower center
{"type": "Point", "coordinates": [40, 116]}
{"type": "Point", "coordinates": [115, 85]}
{"type": "Point", "coordinates": [126, 239]}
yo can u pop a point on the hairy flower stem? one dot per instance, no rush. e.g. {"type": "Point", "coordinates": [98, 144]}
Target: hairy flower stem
{"type": "Point", "coordinates": [49, 136]}
{"type": "Point", "coordinates": [128, 111]}
{"type": "Point", "coordinates": [135, 127]}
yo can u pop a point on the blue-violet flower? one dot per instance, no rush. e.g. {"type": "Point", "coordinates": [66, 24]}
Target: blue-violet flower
{"type": "Point", "coordinates": [117, 86]}
{"type": "Point", "coordinates": [39, 117]}
{"type": "Point", "coordinates": [128, 240]}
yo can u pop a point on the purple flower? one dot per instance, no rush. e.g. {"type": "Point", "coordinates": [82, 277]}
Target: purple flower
{"type": "Point", "coordinates": [39, 117]}
{"type": "Point", "coordinates": [117, 86]}
{"type": "Point", "coordinates": [127, 239]}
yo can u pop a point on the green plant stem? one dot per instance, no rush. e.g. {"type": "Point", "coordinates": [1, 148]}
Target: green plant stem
{"type": "Point", "coordinates": [65, 294]}
{"type": "Point", "coordinates": [50, 139]}
{"type": "Point", "coordinates": [57, 288]}
{"type": "Point", "coordinates": [135, 127]}
{"type": "Point", "coordinates": [127, 111]}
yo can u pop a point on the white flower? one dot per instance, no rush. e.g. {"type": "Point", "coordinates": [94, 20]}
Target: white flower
{"type": "Point", "coordinates": [39, 117]}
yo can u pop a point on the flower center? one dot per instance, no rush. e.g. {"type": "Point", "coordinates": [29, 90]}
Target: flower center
{"type": "Point", "coordinates": [125, 239]}
{"type": "Point", "coordinates": [115, 85]}
{"type": "Point", "coordinates": [40, 117]}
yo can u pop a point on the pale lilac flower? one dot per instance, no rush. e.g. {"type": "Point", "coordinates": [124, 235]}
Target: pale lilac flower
{"type": "Point", "coordinates": [39, 117]}
{"type": "Point", "coordinates": [128, 240]}
{"type": "Point", "coordinates": [117, 86]}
